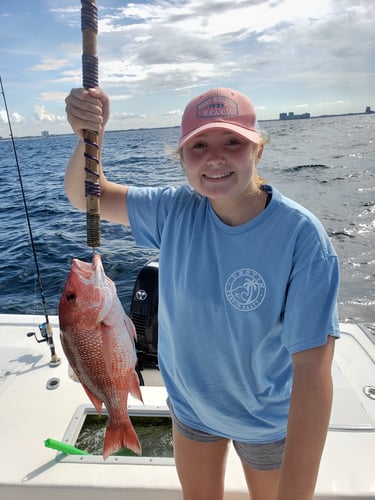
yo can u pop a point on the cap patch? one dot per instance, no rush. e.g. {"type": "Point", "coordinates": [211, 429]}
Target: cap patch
{"type": "Point", "coordinates": [216, 107]}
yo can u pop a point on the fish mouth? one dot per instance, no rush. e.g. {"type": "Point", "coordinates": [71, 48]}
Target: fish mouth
{"type": "Point", "coordinates": [218, 177]}
{"type": "Point", "coordinates": [83, 269]}
{"type": "Point", "coordinates": [90, 273]}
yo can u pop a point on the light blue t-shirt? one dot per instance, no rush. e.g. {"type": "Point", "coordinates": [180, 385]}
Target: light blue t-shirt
{"type": "Point", "coordinates": [235, 302]}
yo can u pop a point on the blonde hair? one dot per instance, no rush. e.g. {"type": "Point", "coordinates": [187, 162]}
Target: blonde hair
{"type": "Point", "coordinates": [265, 139]}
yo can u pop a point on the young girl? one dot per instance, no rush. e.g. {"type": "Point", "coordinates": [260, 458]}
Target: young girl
{"type": "Point", "coordinates": [247, 302]}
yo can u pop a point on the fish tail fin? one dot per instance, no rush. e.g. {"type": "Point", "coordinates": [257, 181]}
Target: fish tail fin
{"type": "Point", "coordinates": [120, 435]}
{"type": "Point", "coordinates": [134, 388]}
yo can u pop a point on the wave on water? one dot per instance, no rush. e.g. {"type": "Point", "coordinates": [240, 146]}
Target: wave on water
{"type": "Point", "coordinates": [297, 168]}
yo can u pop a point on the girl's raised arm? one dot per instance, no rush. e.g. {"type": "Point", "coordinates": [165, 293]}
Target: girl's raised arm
{"type": "Point", "coordinates": [89, 109]}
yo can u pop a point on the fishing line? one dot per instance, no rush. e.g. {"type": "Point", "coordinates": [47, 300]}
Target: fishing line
{"type": "Point", "coordinates": [45, 328]}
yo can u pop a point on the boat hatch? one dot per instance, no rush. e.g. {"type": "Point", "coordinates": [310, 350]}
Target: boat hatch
{"type": "Point", "coordinates": [156, 443]}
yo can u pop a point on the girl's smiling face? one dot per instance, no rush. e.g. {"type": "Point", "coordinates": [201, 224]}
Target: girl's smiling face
{"type": "Point", "coordinates": [221, 165]}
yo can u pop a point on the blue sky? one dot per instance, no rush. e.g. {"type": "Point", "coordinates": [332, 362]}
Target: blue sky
{"type": "Point", "coordinates": [287, 55]}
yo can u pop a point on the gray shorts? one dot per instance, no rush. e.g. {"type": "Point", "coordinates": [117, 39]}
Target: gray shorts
{"type": "Point", "coordinates": [265, 457]}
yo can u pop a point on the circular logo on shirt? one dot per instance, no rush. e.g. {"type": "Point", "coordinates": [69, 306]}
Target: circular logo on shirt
{"type": "Point", "coordinates": [245, 289]}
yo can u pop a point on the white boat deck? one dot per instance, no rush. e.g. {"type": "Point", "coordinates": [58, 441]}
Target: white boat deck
{"type": "Point", "coordinates": [31, 413]}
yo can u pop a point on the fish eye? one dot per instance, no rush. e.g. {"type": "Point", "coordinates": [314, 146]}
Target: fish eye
{"type": "Point", "coordinates": [70, 296]}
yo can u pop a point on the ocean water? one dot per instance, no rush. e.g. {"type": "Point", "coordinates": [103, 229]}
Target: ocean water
{"type": "Point", "coordinates": [326, 164]}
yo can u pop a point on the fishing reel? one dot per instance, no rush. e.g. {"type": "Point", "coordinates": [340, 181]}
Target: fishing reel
{"type": "Point", "coordinates": [43, 332]}
{"type": "Point", "coordinates": [47, 336]}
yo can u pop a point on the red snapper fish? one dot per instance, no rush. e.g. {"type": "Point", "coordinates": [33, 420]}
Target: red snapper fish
{"type": "Point", "coordinates": [98, 339]}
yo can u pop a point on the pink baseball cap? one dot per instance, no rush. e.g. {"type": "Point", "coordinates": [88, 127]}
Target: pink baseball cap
{"type": "Point", "coordinates": [219, 108]}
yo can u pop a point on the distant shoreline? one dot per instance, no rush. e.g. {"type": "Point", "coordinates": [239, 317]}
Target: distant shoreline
{"type": "Point", "coordinates": [310, 117]}
{"type": "Point", "coordinates": [291, 119]}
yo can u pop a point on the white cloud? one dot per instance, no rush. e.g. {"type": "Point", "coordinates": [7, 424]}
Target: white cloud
{"type": "Point", "coordinates": [17, 118]}
{"type": "Point", "coordinates": [3, 116]}
{"type": "Point", "coordinates": [41, 114]}
{"type": "Point", "coordinates": [120, 97]}
{"type": "Point", "coordinates": [175, 46]}
{"type": "Point", "coordinates": [330, 103]}
{"type": "Point", "coordinates": [155, 55]}
{"type": "Point", "coordinates": [53, 96]}
{"type": "Point", "coordinates": [50, 64]}
{"type": "Point", "coordinates": [14, 117]}
{"type": "Point", "coordinates": [174, 112]}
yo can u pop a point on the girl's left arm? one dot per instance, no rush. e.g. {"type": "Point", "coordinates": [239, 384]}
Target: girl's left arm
{"type": "Point", "coordinates": [309, 414]}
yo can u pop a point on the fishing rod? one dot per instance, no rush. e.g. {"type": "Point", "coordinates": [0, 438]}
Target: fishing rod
{"type": "Point", "coordinates": [45, 328]}
{"type": "Point", "coordinates": [90, 79]}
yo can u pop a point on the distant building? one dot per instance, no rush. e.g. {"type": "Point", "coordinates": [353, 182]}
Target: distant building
{"type": "Point", "coordinates": [45, 133]}
{"type": "Point", "coordinates": [292, 116]}
{"type": "Point", "coordinates": [368, 109]}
